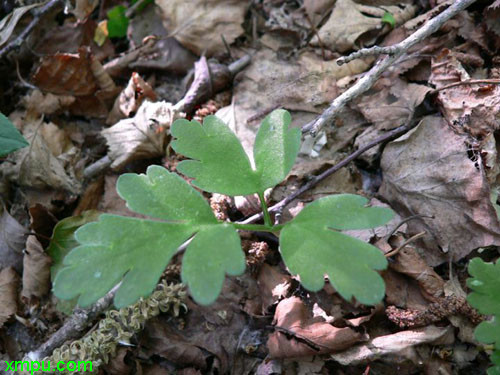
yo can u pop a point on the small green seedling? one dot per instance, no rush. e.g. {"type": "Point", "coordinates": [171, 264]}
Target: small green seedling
{"type": "Point", "coordinates": [135, 251]}
{"type": "Point", "coordinates": [10, 138]}
{"type": "Point", "coordinates": [485, 296]}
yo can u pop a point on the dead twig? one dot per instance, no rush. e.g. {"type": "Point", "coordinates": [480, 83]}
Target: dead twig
{"type": "Point", "coordinates": [396, 51]}
{"type": "Point", "coordinates": [37, 15]}
{"type": "Point", "coordinates": [73, 326]}
{"type": "Point", "coordinates": [490, 81]}
{"type": "Point", "coordinates": [408, 241]}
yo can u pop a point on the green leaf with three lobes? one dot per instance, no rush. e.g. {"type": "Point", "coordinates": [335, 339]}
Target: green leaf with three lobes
{"type": "Point", "coordinates": [10, 138]}
{"type": "Point", "coordinates": [220, 164]}
{"type": "Point", "coordinates": [136, 251]}
{"type": "Point", "coordinates": [312, 246]}
{"type": "Point", "coordinates": [485, 297]}
{"type": "Point", "coordinates": [495, 359]}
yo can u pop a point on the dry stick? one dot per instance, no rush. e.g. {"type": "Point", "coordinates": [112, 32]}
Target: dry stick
{"type": "Point", "coordinates": [317, 179]}
{"type": "Point", "coordinates": [396, 51]}
{"type": "Point", "coordinates": [73, 326]}
{"type": "Point", "coordinates": [37, 15]}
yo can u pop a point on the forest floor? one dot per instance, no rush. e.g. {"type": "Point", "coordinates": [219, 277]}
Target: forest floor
{"type": "Point", "coordinates": [93, 86]}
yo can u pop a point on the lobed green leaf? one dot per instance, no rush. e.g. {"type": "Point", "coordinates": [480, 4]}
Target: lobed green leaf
{"type": "Point", "coordinates": [485, 286]}
{"type": "Point", "coordinates": [220, 164]}
{"type": "Point", "coordinates": [212, 253]}
{"type": "Point", "coordinates": [10, 138]}
{"type": "Point", "coordinates": [485, 297]}
{"type": "Point", "coordinates": [311, 247]}
{"type": "Point", "coordinates": [136, 251]}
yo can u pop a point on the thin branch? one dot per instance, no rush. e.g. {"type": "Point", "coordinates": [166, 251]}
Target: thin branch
{"type": "Point", "coordinates": [367, 81]}
{"type": "Point", "coordinates": [395, 133]}
{"type": "Point", "coordinates": [73, 326]}
{"type": "Point", "coordinates": [37, 15]}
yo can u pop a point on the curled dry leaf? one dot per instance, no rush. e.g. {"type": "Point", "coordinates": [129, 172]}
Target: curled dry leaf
{"type": "Point", "coordinates": [80, 75]}
{"type": "Point", "coordinates": [36, 272]}
{"type": "Point", "coordinates": [200, 24]}
{"type": "Point", "coordinates": [474, 109]}
{"type": "Point", "coordinates": [9, 282]}
{"type": "Point", "coordinates": [36, 166]}
{"type": "Point", "coordinates": [394, 344]}
{"type": "Point", "coordinates": [352, 25]}
{"type": "Point", "coordinates": [142, 136]}
{"type": "Point", "coordinates": [131, 98]}
{"type": "Point", "coordinates": [300, 335]}
{"type": "Point", "coordinates": [12, 240]}
{"type": "Point", "coordinates": [422, 182]}
{"type": "Point", "coordinates": [9, 22]}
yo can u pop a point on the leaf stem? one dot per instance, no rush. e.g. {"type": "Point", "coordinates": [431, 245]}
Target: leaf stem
{"type": "Point", "coordinates": [258, 227]}
{"type": "Point", "coordinates": [265, 211]}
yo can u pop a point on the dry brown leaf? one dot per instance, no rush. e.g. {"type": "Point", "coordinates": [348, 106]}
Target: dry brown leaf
{"type": "Point", "coordinates": [429, 171]}
{"type": "Point", "coordinates": [131, 98]}
{"type": "Point", "coordinates": [410, 263]}
{"type": "Point", "coordinates": [491, 17]}
{"type": "Point", "coordinates": [199, 24]}
{"type": "Point", "coordinates": [352, 25]}
{"type": "Point", "coordinates": [393, 103]}
{"type": "Point", "coordinates": [474, 109]}
{"type": "Point", "coordinates": [274, 286]}
{"type": "Point", "coordinates": [35, 166]}
{"type": "Point", "coordinates": [9, 282]}
{"type": "Point", "coordinates": [302, 336]}
{"type": "Point", "coordinates": [66, 74]}
{"type": "Point", "coordinates": [117, 365]}
{"type": "Point", "coordinates": [37, 103]}
{"type": "Point", "coordinates": [12, 240]}
{"type": "Point", "coordinates": [83, 8]}
{"type": "Point", "coordinates": [80, 75]}
{"type": "Point", "coordinates": [36, 272]}
{"type": "Point", "coordinates": [142, 136]}
{"type": "Point", "coordinates": [402, 291]}
{"type": "Point", "coordinates": [395, 344]}
{"type": "Point", "coordinates": [69, 37]}
{"type": "Point", "coordinates": [204, 327]}
{"type": "Point", "coordinates": [42, 222]}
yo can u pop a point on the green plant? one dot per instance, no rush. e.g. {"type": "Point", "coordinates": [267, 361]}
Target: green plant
{"type": "Point", "coordinates": [117, 22]}
{"type": "Point", "coordinates": [10, 138]}
{"type": "Point", "coordinates": [136, 251]}
{"type": "Point", "coordinates": [485, 296]}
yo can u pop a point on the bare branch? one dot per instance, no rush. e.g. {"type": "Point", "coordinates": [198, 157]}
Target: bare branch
{"type": "Point", "coordinates": [367, 81]}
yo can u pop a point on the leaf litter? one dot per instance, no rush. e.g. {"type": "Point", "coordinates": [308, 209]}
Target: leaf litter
{"type": "Point", "coordinates": [82, 103]}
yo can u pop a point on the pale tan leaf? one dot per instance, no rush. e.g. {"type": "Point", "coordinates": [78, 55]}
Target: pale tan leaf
{"type": "Point", "coordinates": [9, 282]}
{"type": "Point", "coordinates": [36, 273]}
{"type": "Point", "coordinates": [198, 25]}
